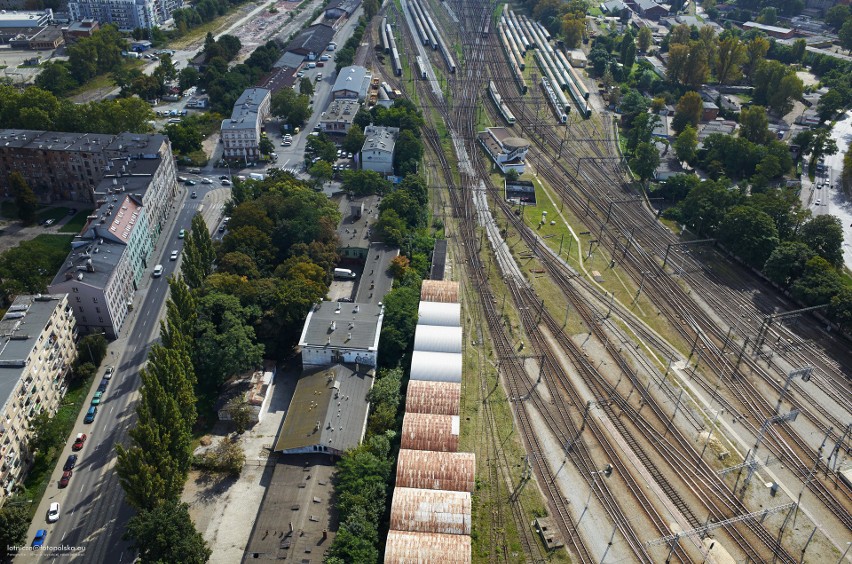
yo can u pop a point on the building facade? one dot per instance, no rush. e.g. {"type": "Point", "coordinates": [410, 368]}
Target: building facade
{"type": "Point", "coordinates": [241, 132]}
{"type": "Point", "coordinates": [37, 350]}
{"type": "Point", "coordinates": [127, 15]}
{"type": "Point", "coordinates": [339, 116]}
{"type": "Point", "coordinates": [336, 332]}
{"type": "Point", "coordinates": [377, 153]}
{"type": "Point", "coordinates": [352, 83]}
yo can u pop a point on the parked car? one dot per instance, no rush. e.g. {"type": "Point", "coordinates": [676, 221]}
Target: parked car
{"type": "Point", "coordinates": [53, 512]}
{"type": "Point", "coordinates": [108, 372]}
{"type": "Point", "coordinates": [226, 182]}
{"type": "Point", "coordinates": [96, 399]}
{"type": "Point", "coordinates": [39, 538]}
{"type": "Point", "coordinates": [66, 477]}
{"type": "Point", "coordinates": [103, 385]}
{"type": "Point", "coordinates": [49, 222]}
{"type": "Point", "coordinates": [79, 441]}
{"type": "Point", "coordinates": [90, 415]}
{"type": "Point", "coordinates": [70, 462]}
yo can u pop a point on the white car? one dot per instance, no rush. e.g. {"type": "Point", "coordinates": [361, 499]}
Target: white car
{"type": "Point", "coordinates": [108, 373]}
{"type": "Point", "coordinates": [158, 271]}
{"type": "Point", "coordinates": [226, 182]}
{"type": "Point", "coordinates": [53, 513]}
{"type": "Point", "coordinates": [174, 255]}
{"type": "Point", "coordinates": [206, 181]}
{"type": "Point", "coordinates": [818, 202]}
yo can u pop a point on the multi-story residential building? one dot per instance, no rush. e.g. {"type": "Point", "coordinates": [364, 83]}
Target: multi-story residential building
{"type": "Point", "coordinates": [126, 14]}
{"type": "Point", "coordinates": [108, 259]}
{"type": "Point", "coordinates": [36, 353]}
{"type": "Point", "coordinates": [241, 132]}
{"type": "Point", "coordinates": [339, 116]}
{"type": "Point", "coordinates": [377, 153]}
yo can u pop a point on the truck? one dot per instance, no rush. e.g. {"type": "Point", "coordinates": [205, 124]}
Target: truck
{"type": "Point", "coordinates": [256, 176]}
{"type": "Point", "coordinates": [344, 274]}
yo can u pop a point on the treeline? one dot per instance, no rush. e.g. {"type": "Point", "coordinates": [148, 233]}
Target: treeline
{"type": "Point", "coordinates": [87, 58]}
{"type": "Point", "coordinates": [346, 54]}
{"type": "Point", "coordinates": [201, 12]}
{"type": "Point", "coordinates": [224, 85]}
{"type": "Point", "coordinates": [34, 108]}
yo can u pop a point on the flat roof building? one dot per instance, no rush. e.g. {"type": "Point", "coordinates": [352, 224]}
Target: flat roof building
{"type": "Point", "coordinates": [433, 338]}
{"type": "Point", "coordinates": [339, 116]}
{"type": "Point", "coordinates": [436, 366]}
{"type": "Point", "coordinates": [328, 412]}
{"type": "Point", "coordinates": [444, 291]}
{"type": "Point", "coordinates": [37, 349]}
{"type": "Point", "coordinates": [352, 83]}
{"type": "Point", "coordinates": [438, 313]}
{"type": "Point", "coordinates": [377, 152]}
{"type": "Point", "coordinates": [24, 19]}
{"type": "Point", "coordinates": [336, 332]}
{"type": "Point", "coordinates": [507, 151]}
{"type": "Point", "coordinates": [771, 30]}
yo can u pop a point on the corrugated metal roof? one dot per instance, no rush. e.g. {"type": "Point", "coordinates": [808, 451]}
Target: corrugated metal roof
{"type": "Point", "coordinates": [436, 367]}
{"type": "Point", "coordinates": [437, 313]}
{"type": "Point", "coordinates": [431, 338]}
{"type": "Point", "coordinates": [430, 511]}
{"type": "Point", "coordinates": [438, 398]}
{"type": "Point", "coordinates": [405, 547]}
{"type": "Point", "coordinates": [424, 431]}
{"type": "Point", "coordinates": [430, 470]}
{"type": "Point", "coordinates": [444, 291]}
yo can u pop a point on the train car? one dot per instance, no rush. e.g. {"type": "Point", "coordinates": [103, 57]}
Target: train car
{"type": "Point", "coordinates": [486, 28]}
{"type": "Point", "coordinates": [448, 57]}
{"type": "Point", "coordinates": [418, 24]}
{"type": "Point", "coordinates": [383, 35]}
{"type": "Point", "coordinates": [501, 105]}
{"type": "Point", "coordinates": [550, 93]}
{"type": "Point", "coordinates": [522, 34]}
{"type": "Point", "coordinates": [397, 66]}
{"type": "Point", "coordinates": [421, 68]}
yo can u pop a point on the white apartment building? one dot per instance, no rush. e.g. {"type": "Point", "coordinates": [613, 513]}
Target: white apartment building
{"type": "Point", "coordinates": [241, 132]}
{"type": "Point", "coordinates": [126, 14]}
{"type": "Point", "coordinates": [377, 153]}
{"type": "Point", "coordinates": [37, 350]}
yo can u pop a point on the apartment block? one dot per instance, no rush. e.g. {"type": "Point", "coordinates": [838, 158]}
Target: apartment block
{"type": "Point", "coordinates": [127, 15]}
{"type": "Point", "coordinates": [37, 349]}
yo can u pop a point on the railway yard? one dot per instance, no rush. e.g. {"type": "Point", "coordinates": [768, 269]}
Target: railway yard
{"type": "Point", "coordinates": [635, 386]}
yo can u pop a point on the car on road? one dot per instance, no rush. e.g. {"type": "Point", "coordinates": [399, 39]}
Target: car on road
{"type": "Point", "coordinates": [53, 512]}
{"type": "Point", "coordinates": [182, 234]}
{"type": "Point", "coordinates": [158, 271]}
{"type": "Point", "coordinates": [103, 385]}
{"type": "Point", "coordinates": [79, 441]}
{"type": "Point", "coordinates": [96, 399]}
{"type": "Point", "coordinates": [206, 181]}
{"type": "Point", "coordinates": [286, 143]}
{"type": "Point", "coordinates": [320, 64]}
{"type": "Point", "coordinates": [174, 255]}
{"type": "Point", "coordinates": [66, 477]}
{"type": "Point", "coordinates": [194, 195]}
{"type": "Point", "coordinates": [345, 300]}
{"type": "Point", "coordinates": [71, 462]}
{"type": "Point", "coordinates": [90, 415]}
{"type": "Point", "coordinates": [222, 228]}
{"type": "Point", "coordinates": [108, 372]}
{"type": "Point", "coordinates": [182, 179]}
{"type": "Point", "coordinates": [40, 535]}
{"type": "Point", "coordinates": [319, 76]}
{"type": "Point", "coordinates": [190, 182]}
{"type": "Point", "coordinates": [223, 177]}
{"type": "Point", "coordinates": [49, 222]}
{"type": "Point", "coordinates": [818, 202]}
{"type": "Point", "coordinates": [226, 182]}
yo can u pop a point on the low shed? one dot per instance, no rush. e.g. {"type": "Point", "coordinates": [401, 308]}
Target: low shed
{"type": "Point", "coordinates": [422, 431]}
{"type": "Point", "coordinates": [405, 547]}
{"type": "Point", "coordinates": [430, 470]}
{"type": "Point", "coordinates": [430, 511]}
{"type": "Point", "coordinates": [444, 291]}
{"type": "Point", "coordinates": [437, 398]}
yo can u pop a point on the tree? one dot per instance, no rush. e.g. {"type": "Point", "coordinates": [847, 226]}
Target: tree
{"type": "Point", "coordinates": [846, 176]}
{"type": "Point", "coordinates": [25, 198]}
{"type": "Point", "coordinates": [677, 187]}
{"type": "Point", "coordinates": [678, 60]}
{"type": "Point", "coordinates": [573, 28]}
{"type": "Point", "coordinates": [407, 153]}
{"type": "Point", "coordinates": [787, 262]}
{"type": "Point", "coordinates": [729, 59]}
{"type": "Point", "coordinates": [756, 50]}
{"type": "Point", "coordinates": [292, 108]}
{"type": "Point", "coordinates": [688, 111]}
{"type": "Point", "coordinates": [641, 130]}
{"type": "Point", "coordinates": [845, 35]}
{"type": "Point", "coordinates": [400, 321]}
{"type": "Point", "coordinates": [365, 182]}
{"type": "Point", "coordinates": [14, 522]}
{"type": "Point", "coordinates": [776, 86]}
{"type": "Point", "coordinates": [240, 411]}
{"type": "Point", "coordinates": [92, 348]}
{"type": "Point", "coordinates": [321, 171]}
{"type": "Point", "coordinates": [750, 234]}
{"type": "Point", "coordinates": [837, 15]}
{"type": "Point", "coordinates": [47, 436]}
{"type": "Point", "coordinates": [166, 534]}
{"type": "Point", "coordinates": [830, 103]}
{"type": "Point", "coordinates": [322, 147]}
{"type": "Point", "coordinates": [645, 38]}
{"type": "Point", "coordinates": [186, 137]}
{"type": "Point", "coordinates": [686, 144]}
{"type": "Point", "coordinates": [798, 51]}
{"type": "Point", "coordinates": [354, 140]}
{"type": "Point", "coordinates": [188, 78]}
{"type": "Point", "coordinates": [818, 284]}
{"type": "Point", "coordinates": [754, 125]}
{"type": "Point", "coordinates": [266, 146]}
{"type": "Point", "coordinates": [628, 50]}
{"type": "Point", "coordinates": [841, 308]}
{"type": "Point", "coordinates": [645, 161]}
{"type": "Point", "coordinates": [824, 234]}
{"type": "Point", "coordinates": [306, 87]}
{"type": "Point", "coordinates": [198, 253]}
{"type": "Point", "coordinates": [768, 16]}
{"type": "Point", "coordinates": [821, 144]}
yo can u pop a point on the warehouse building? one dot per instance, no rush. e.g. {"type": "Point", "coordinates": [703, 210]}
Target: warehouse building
{"type": "Point", "coordinates": [436, 366]}
{"type": "Point", "coordinates": [405, 547]}
{"type": "Point", "coordinates": [338, 332]}
{"type": "Point", "coordinates": [437, 398]}
{"type": "Point", "coordinates": [432, 338]}
{"type": "Point", "coordinates": [440, 314]}
{"type": "Point", "coordinates": [444, 291]}
{"type": "Point", "coordinates": [421, 431]}
{"type": "Point", "coordinates": [428, 470]}
{"type": "Point", "coordinates": [430, 511]}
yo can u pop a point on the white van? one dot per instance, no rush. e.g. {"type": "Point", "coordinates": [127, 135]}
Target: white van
{"type": "Point", "coordinates": [174, 120]}
{"type": "Point", "coordinates": [312, 65]}
{"type": "Point", "coordinates": [344, 274]}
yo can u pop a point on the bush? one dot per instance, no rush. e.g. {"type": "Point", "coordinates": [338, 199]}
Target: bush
{"type": "Point", "coordinates": [227, 458]}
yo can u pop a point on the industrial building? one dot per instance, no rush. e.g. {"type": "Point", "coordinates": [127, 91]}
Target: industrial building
{"type": "Point", "coordinates": [336, 332]}
{"type": "Point", "coordinates": [430, 470]}
{"type": "Point", "coordinates": [404, 547]}
{"type": "Point", "coordinates": [507, 151]}
{"type": "Point", "coordinates": [377, 152]}
{"type": "Point", "coordinates": [37, 349]}
{"type": "Point", "coordinates": [423, 431]}
{"type": "Point", "coordinates": [442, 314]}
{"type": "Point", "coordinates": [430, 511]}
{"type": "Point", "coordinates": [443, 291]}
{"type": "Point", "coordinates": [438, 398]}
{"type": "Point", "coordinates": [436, 366]}
{"type": "Point", "coordinates": [311, 42]}
{"type": "Point", "coordinates": [352, 83]}
{"type": "Point", "coordinates": [432, 338]}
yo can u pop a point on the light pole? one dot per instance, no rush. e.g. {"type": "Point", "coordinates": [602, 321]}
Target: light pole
{"type": "Point", "coordinates": [607, 472]}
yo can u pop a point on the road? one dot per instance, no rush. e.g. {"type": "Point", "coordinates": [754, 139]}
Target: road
{"type": "Point", "coordinates": [94, 514]}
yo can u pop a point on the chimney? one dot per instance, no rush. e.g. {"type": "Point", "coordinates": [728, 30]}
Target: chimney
{"type": "Point", "coordinates": [348, 337]}
{"type": "Point", "coordinates": [333, 325]}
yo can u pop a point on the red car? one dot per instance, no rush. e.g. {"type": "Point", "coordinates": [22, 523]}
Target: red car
{"type": "Point", "coordinates": [66, 477]}
{"type": "Point", "coordinates": [79, 441]}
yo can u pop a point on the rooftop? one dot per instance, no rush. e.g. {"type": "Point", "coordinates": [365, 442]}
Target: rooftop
{"type": "Point", "coordinates": [430, 511]}
{"type": "Point", "coordinates": [350, 78]}
{"type": "Point", "coordinates": [423, 431]}
{"type": "Point", "coordinates": [91, 262]}
{"type": "Point", "coordinates": [342, 110]}
{"type": "Point", "coordinates": [312, 40]}
{"type": "Point", "coordinates": [348, 6]}
{"type": "Point", "coordinates": [436, 398]}
{"type": "Point", "coordinates": [445, 291]}
{"type": "Point", "coordinates": [426, 469]}
{"type": "Point", "coordinates": [767, 28]}
{"type": "Point", "coordinates": [379, 138]}
{"type": "Point", "coordinates": [329, 409]}
{"type": "Point", "coordinates": [436, 366]}
{"type": "Point", "coordinates": [246, 109]}
{"type": "Point", "coordinates": [404, 547]}
{"type": "Point", "coordinates": [438, 313]}
{"type": "Point", "coordinates": [343, 325]}
{"type": "Point", "coordinates": [20, 329]}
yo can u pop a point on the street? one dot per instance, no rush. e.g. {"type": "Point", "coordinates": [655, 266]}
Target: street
{"type": "Point", "coordinates": [94, 514]}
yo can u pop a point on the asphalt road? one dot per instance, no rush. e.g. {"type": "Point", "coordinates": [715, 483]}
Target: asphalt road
{"type": "Point", "coordinates": [93, 511]}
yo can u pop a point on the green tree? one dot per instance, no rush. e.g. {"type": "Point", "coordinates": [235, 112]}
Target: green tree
{"type": "Point", "coordinates": [56, 78]}
{"type": "Point", "coordinates": [321, 171]}
{"type": "Point", "coordinates": [729, 60]}
{"type": "Point", "coordinates": [846, 176]}
{"type": "Point", "coordinates": [798, 51]}
{"type": "Point", "coordinates": [768, 16]}
{"type": "Point", "coordinates": [14, 522]}
{"type": "Point", "coordinates": [677, 187]}
{"type": "Point", "coordinates": [364, 182]}
{"type": "Point", "coordinates": [821, 144]}
{"type": "Point", "coordinates": [198, 253]}
{"type": "Point", "coordinates": [25, 198]}
{"type": "Point", "coordinates": [837, 15]}
{"type": "Point", "coordinates": [754, 125]}
{"type": "Point", "coordinates": [756, 50]}
{"type": "Point", "coordinates": [750, 234]}
{"type": "Point", "coordinates": [240, 411]}
{"type": "Point", "coordinates": [400, 321]}
{"type": "Point", "coordinates": [830, 103]}
{"type": "Point", "coordinates": [185, 137]}
{"type": "Point", "coordinates": [633, 103]}
{"type": "Point", "coordinates": [266, 146]}
{"type": "Point", "coordinates": [688, 111]}
{"type": "Point", "coordinates": [787, 262]}
{"type": "Point", "coordinates": [322, 147]}
{"type": "Point", "coordinates": [83, 371]}
{"type": "Point", "coordinates": [845, 35]}
{"type": "Point", "coordinates": [306, 87]}
{"type": "Point", "coordinates": [573, 28]}
{"type": "Point", "coordinates": [776, 86]}
{"type": "Point", "coordinates": [92, 348]}
{"type": "Point", "coordinates": [819, 283]}
{"type": "Point", "coordinates": [407, 153]}
{"type": "Point", "coordinates": [166, 534]}
{"type": "Point", "coordinates": [686, 144]}
{"type": "Point", "coordinates": [47, 438]}
{"type": "Point", "coordinates": [824, 234]}
{"type": "Point", "coordinates": [645, 161]}
{"type": "Point", "coordinates": [354, 140]}
{"type": "Point", "coordinates": [187, 78]}
{"type": "Point", "coordinates": [841, 308]}
{"type": "Point", "coordinates": [645, 38]}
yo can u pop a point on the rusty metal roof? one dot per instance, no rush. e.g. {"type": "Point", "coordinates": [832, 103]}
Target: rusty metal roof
{"type": "Point", "coordinates": [437, 398]}
{"type": "Point", "coordinates": [430, 470]}
{"type": "Point", "coordinates": [445, 291]}
{"type": "Point", "coordinates": [422, 431]}
{"type": "Point", "coordinates": [430, 511]}
{"type": "Point", "coordinates": [405, 547]}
